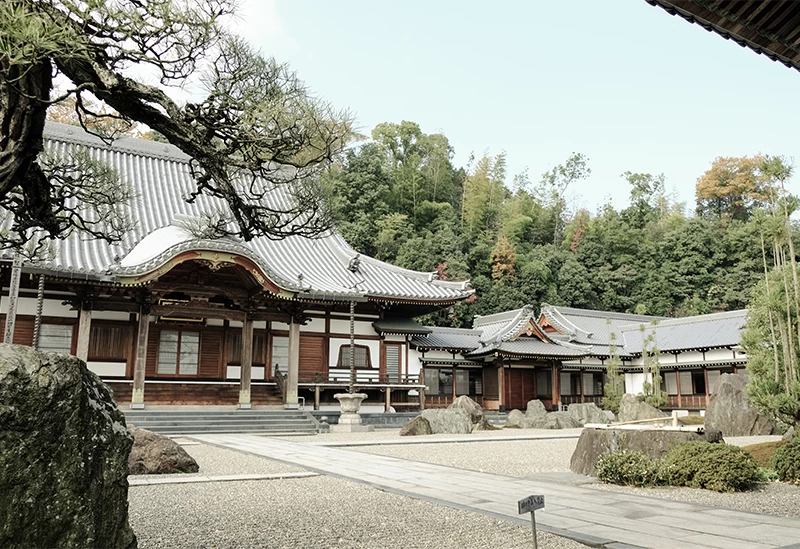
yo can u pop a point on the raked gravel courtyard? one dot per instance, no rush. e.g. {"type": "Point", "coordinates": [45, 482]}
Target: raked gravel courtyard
{"type": "Point", "coordinates": [314, 512]}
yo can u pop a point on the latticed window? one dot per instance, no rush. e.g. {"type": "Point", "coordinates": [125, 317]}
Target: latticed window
{"type": "Point", "coordinates": [55, 338]}
{"type": "Point", "coordinates": [361, 360]}
{"type": "Point", "coordinates": [178, 352]}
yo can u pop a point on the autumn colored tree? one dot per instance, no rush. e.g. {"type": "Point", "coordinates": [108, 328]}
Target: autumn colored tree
{"type": "Point", "coordinates": [504, 259]}
{"type": "Point", "coordinates": [732, 188]}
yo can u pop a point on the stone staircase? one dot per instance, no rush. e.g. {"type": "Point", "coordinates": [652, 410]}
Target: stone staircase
{"type": "Point", "coordinates": [498, 419]}
{"type": "Point", "coordinates": [266, 422]}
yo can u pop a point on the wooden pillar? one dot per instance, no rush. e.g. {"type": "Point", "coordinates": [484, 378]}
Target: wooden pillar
{"type": "Point", "coordinates": [556, 390]}
{"type": "Point", "coordinates": [137, 396]}
{"type": "Point", "coordinates": [580, 378]}
{"type": "Point", "coordinates": [705, 376]}
{"type": "Point", "coordinates": [292, 401]}
{"type": "Point", "coordinates": [501, 385]}
{"type": "Point", "coordinates": [84, 333]}
{"type": "Point", "coordinates": [422, 389]}
{"type": "Point", "coordinates": [388, 399]}
{"type": "Point", "coordinates": [247, 365]}
{"type": "Point", "coordinates": [316, 397]}
{"type": "Point", "coordinates": [678, 384]}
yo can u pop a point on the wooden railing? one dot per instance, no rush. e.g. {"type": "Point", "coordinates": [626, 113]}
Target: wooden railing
{"type": "Point", "coordinates": [363, 376]}
{"type": "Point", "coordinates": [576, 399]}
{"type": "Point", "coordinates": [692, 402]}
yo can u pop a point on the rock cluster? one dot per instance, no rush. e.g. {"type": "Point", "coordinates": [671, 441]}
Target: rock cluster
{"type": "Point", "coordinates": [593, 443]}
{"type": "Point", "coordinates": [455, 421]}
{"type": "Point", "coordinates": [633, 409]}
{"type": "Point", "coordinates": [730, 412]}
{"type": "Point", "coordinates": [536, 416]}
{"type": "Point", "coordinates": [154, 454]}
{"type": "Point", "coordinates": [63, 455]}
{"type": "Point", "coordinates": [463, 416]}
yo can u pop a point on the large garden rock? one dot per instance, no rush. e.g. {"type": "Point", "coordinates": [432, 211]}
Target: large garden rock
{"type": "Point", "coordinates": [470, 406]}
{"type": "Point", "coordinates": [593, 443]}
{"type": "Point", "coordinates": [730, 412]}
{"type": "Point", "coordinates": [63, 455]}
{"type": "Point", "coordinates": [560, 420]}
{"type": "Point", "coordinates": [449, 421]}
{"type": "Point", "coordinates": [587, 413]}
{"type": "Point", "coordinates": [535, 409]}
{"type": "Point", "coordinates": [417, 426]}
{"type": "Point", "coordinates": [633, 409]}
{"type": "Point", "coordinates": [154, 454]}
{"type": "Point", "coordinates": [514, 418]}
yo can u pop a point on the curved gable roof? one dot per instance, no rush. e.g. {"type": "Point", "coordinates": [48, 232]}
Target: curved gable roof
{"type": "Point", "coordinates": [160, 178]}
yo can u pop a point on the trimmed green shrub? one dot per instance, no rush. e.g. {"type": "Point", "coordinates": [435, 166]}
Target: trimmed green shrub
{"type": "Point", "coordinates": [719, 467]}
{"type": "Point", "coordinates": [627, 468]}
{"type": "Point", "coordinates": [787, 461]}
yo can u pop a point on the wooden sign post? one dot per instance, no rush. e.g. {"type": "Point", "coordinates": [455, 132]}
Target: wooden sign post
{"type": "Point", "coordinates": [529, 505]}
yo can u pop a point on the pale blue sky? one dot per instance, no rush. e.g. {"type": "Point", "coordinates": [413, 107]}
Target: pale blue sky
{"type": "Point", "coordinates": [620, 81]}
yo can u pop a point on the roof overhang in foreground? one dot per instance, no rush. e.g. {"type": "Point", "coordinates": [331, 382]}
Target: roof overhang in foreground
{"type": "Point", "coordinates": [771, 28]}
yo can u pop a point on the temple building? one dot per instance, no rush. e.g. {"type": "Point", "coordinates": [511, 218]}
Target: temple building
{"type": "Point", "coordinates": [169, 317]}
{"type": "Point", "coordinates": [560, 356]}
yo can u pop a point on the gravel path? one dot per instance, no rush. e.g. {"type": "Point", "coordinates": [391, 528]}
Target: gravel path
{"type": "Point", "coordinates": [516, 458]}
{"type": "Point", "coordinates": [319, 512]}
{"type": "Point", "coordinates": [524, 458]}
{"type": "Point", "coordinates": [220, 461]}
{"type": "Point", "coordinates": [394, 434]}
{"type": "Point", "coordinates": [774, 498]}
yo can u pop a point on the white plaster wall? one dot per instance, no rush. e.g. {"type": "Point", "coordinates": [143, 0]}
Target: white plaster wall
{"type": "Point", "coordinates": [280, 326]}
{"type": "Point", "coordinates": [395, 338]}
{"type": "Point", "coordinates": [257, 373]}
{"type": "Point", "coordinates": [634, 383]}
{"type": "Point", "coordinates": [361, 327]}
{"type": "Point", "coordinates": [215, 322]}
{"type": "Point", "coordinates": [437, 355]}
{"type": "Point", "coordinates": [690, 356]}
{"type": "Point", "coordinates": [50, 307]}
{"type": "Point", "coordinates": [719, 354]}
{"type": "Point", "coordinates": [316, 325]}
{"type": "Point", "coordinates": [235, 324]}
{"type": "Point", "coordinates": [414, 364]}
{"type": "Point", "coordinates": [373, 344]}
{"type": "Point", "coordinates": [259, 324]}
{"type": "Point", "coordinates": [107, 369]}
{"type": "Point", "coordinates": [110, 315]}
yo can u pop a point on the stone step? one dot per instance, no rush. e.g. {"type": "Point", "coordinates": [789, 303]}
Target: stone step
{"type": "Point", "coordinates": [189, 423]}
{"type": "Point", "coordinates": [273, 432]}
{"type": "Point", "coordinates": [176, 422]}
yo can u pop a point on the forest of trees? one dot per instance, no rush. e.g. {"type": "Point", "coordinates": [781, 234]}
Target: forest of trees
{"type": "Point", "coordinates": [398, 197]}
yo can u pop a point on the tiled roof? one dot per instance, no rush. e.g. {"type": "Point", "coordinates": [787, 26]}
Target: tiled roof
{"type": "Point", "coordinates": [589, 327]}
{"type": "Point", "coordinates": [693, 332]}
{"type": "Point", "coordinates": [503, 326]}
{"type": "Point", "coordinates": [529, 347]}
{"type": "Point", "coordinates": [400, 326]}
{"type": "Point", "coordinates": [160, 179]}
{"type": "Point", "coordinates": [456, 339]}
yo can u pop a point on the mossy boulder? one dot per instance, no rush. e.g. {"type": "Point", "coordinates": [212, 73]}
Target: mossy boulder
{"type": "Point", "coordinates": [64, 452]}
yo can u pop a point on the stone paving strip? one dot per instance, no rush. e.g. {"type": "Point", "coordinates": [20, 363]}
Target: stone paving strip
{"type": "Point", "coordinates": [148, 481]}
{"type": "Point", "coordinates": [430, 439]}
{"type": "Point", "coordinates": [596, 518]}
